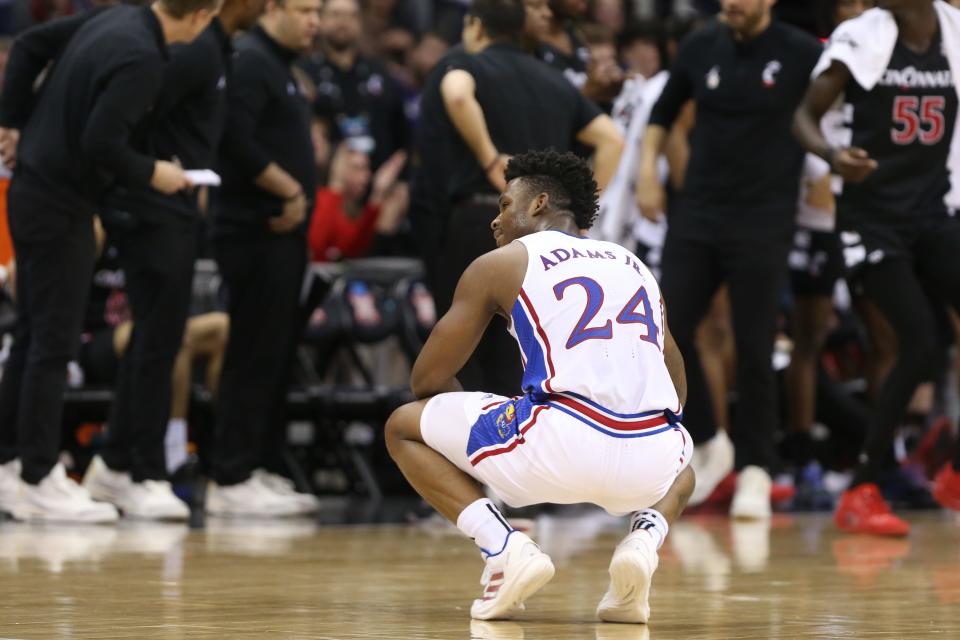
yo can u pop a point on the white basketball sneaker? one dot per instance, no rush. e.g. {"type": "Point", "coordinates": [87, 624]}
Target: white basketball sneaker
{"type": "Point", "coordinates": [104, 483]}
{"type": "Point", "coordinates": [751, 501]}
{"type": "Point", "coordinates": [510, 577]}
{"type": "Point", "coordinates": [631, 572]}
{"type": "Point", "coordinates": [249, 498]}
{"type": "Point", "coordinates": [9, 485]}
{"type": "Point", "coordinates": [285, 487]}
{"type": "Point", "coordinates": [57, 498]}
{"type": "Point", "coordinates": [712, 462]}
{"type": "Point", "coordinates": [147, 500]}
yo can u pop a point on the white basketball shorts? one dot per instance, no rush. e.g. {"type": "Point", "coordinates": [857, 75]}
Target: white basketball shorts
{"type": "Point", "coordinates": [562, 450]}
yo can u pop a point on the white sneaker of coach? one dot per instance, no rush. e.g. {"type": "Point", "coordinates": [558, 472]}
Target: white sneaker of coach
{"type": "Point", "coordinates": [57, 498]}
{"type": "Point", "coordinates": [9, 485]}
{"type": "Point", "coordinates": [249, 498]}
{"type": "Point", "coordinates": [285, 487]}
{"type": "Point", "coordinates": [147, 500]}
{"type": "Point", "coordinates": [631, 572]}
{"type": "Point", "coordinates": [751, 501]}
{"type": "Point", "coordinates": [712, 462]}
{"type": "Point", "coordinates": [510, 577]}
{"type": "Point", "coordinates": [104, 483]}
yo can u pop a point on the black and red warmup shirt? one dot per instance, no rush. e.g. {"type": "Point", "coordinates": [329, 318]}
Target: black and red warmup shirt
{"type": "Point", "coordinates": [906, 124]}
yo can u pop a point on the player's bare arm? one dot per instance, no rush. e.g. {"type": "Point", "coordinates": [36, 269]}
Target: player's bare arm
{"type": "Point", "coordinates": [488, 286]}
{"type": "Point", "coordinates": [852, 164]}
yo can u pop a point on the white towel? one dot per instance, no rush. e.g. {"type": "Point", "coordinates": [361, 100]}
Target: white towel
{"type": "Point", "coordinates": [618, 209]}
{"type": "Point", "coordinates": [865, 44]}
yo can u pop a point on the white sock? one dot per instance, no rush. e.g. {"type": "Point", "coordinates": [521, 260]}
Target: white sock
{"type": "Point", "coordinates": [175, 443]}
{"type": "Point", "coordinates": [651, 521]}
{"type": "Point", "coordinates": [483, 522]}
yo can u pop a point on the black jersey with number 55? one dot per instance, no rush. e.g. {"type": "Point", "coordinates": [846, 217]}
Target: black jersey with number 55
{"type": "Point", "coordinates": [906, 124]}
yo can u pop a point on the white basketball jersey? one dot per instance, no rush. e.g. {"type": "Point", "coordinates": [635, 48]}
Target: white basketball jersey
{"type": "Point", "coordinates": [589, 321]}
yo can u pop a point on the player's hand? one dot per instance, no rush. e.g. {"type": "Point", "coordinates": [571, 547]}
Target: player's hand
{"type": "Point", "coordinates": [293, 215]}
{"type": "Point", "coordinates": [9, 138]}
{"type": "Point", "coordinates": [650, 196]}
{"type": "Point", "coordinates": [386, 177]}
{"type": "Point", "coordinates": [604, 81]}
{"type": "Point", "coordinates": [852, 164]}
{"type": "Point", "coordinates": [168, 178]}
{"type": "Point", "coordinates": [496, 174]}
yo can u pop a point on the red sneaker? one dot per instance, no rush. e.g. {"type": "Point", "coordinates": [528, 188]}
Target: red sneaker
{"type": "Point", "coordinates": [946, 487]}
{"type": "Point", "coordinates": [863, 510]}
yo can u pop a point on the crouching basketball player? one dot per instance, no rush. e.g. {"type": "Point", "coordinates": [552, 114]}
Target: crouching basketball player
{"type": "Point", "coordinates": [598, 416]}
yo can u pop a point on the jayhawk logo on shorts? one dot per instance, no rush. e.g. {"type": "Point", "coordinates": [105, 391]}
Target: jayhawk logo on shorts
{"type": "Point", "coordinates": [505, 419]}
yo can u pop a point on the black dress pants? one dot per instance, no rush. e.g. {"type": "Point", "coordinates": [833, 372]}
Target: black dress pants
{"type": "Point", "coordinates": [55, 251]}
{"type": "Point", "coordinates": [698, 257]}
{"type": "Point", "coordinates": [264, 276]}
{"type": "Point", "coordinates": [157, 260]}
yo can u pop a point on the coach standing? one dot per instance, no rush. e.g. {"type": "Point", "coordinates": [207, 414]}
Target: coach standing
{"type": "Point", "coordinates": [260, 245]}
{"type": "Point", "coordinates": [75, 146]}
{"type": "Point", "coordinates": [503, 101]}
{"type": "Point", "coordinates": [734, 222]}
{"type": "Point", "coordinates": [156, 239]}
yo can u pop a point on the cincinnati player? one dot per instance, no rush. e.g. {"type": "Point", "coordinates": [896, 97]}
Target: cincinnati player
{"type": "Point", "coordinates": [898, 236]}
{"type": "Point", "coordinates": [816, 260]}
{"type": "Point", "coordinates": [598, 418]}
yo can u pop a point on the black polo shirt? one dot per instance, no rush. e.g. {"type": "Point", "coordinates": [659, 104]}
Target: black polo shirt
{"type": "Point", "coordinates": [433, 138]}
{"type": "Point", "coordinates": [361, 102]}
{"type": "Point", "coordinates": [526, 104]}
{"type": "Point", "coordinates": [744, 160]}
{"type": "Point", "coordinates": [76, 143]}
{"type": "Point", "coordinates": [186, 124]}
{"type": "Point", "coordinates": [268, 120]}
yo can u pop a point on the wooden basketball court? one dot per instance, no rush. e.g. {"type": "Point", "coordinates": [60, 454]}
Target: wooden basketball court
{"type": "Point", "coordinates": [794, 578]}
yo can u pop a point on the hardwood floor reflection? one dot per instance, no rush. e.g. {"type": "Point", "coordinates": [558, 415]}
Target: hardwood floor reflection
{"type": "Point", "coordinates": [794, 578]}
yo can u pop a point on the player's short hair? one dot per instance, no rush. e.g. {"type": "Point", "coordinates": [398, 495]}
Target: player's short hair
{"type": "Point", "coordinates": [180, 8]}
{"type": "Point", "coordinates": [564, 177]}
{"type": "Point", "coordinates": [501, 19]}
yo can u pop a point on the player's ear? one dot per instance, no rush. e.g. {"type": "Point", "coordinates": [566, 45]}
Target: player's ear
{"type": "Point", "coordinates": [539, 204]}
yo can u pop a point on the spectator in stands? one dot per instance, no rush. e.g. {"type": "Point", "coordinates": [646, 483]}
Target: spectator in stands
{"type": "Point", "coordinates": [537, 24]}
{"type": "Point", "coordinates": [734, 221]}
{"type": "Point", "coordinates": [640, 50]}
{"type": "Point", "coordinates": [355, 95]}
{"type": "Point", "coordinates": [269, 177]}
{"type": "Point", "coordinates": [494, 100]}
{"type": "Point", "coordinates": [76, 144]}
{"type": "Point", "coordinates": [603, 59]}
{"type": "Point", "coordinates": [563, 47]}
{"type": "Point", "coordinates": [344, 224]}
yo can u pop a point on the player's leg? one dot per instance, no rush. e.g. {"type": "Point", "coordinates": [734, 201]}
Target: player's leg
{"type": "Point", "coordinates": [895, 290]}
{"type": "Point", "coordinates": [815, 266]}
{"type": "Point", "coordinates": [515, 566]}
{"type": "Point", "coordinates": [940, 267]}
{"type": "Point", "coordinates": [635, 559]}
{"type": "Point", "coordinates": [758, 272]}
{"type": "Point", "coordinates": [448, 489]}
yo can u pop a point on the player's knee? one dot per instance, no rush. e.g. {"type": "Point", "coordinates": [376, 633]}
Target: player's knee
{"type": "Point", "coordinates": [398, 425]}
